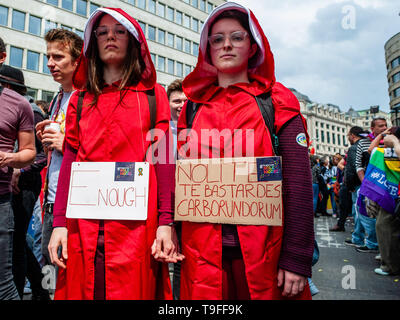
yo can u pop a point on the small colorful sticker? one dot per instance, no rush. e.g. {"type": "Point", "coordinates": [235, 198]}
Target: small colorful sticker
{"type": "Point", "coordinates": [269, 169]}
{"type": "Point", "coordinates": [124, 171]}
{"type": "Point", "coordinates": [301, 139]}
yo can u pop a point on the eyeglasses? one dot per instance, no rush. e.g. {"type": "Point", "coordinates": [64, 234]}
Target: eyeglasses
{"type": "Point", "coordinates": [237, 39]}
{"type": "Point", "coordinates": [118, 31]}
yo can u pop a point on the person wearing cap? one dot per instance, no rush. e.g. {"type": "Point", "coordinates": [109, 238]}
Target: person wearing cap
{"type": "Point", "coordinates": [111, 259]}
{"type": "Point", "coordinates": [226, 261]}
{"type": "Point", "coordinates": [16, 125]}
{"type": "Point", "coordinates": [63, 50]}
{"type": "Point", "coordinates": [26, 185]}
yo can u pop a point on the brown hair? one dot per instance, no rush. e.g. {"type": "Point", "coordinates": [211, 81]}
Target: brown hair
{"type": "Point", "coordinates": [175, 85]}
{"type": "Point", "coordinates": [133, 65]}
{"type": "Point", "coordinates": [67, 38]}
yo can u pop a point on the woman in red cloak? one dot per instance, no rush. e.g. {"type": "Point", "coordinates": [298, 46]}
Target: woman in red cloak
{"type": "Point", "coordinates": [236, 64]}
{"type": "Point", "coordinates": [111, 259]}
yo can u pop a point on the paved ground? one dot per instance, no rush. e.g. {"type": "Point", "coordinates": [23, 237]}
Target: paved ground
{"type": "Point", "coordinates": [342, 273]}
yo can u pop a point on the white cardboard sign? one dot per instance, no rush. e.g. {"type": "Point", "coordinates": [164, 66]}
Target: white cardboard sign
{"type": "Point", "coordinates": [109, 190]}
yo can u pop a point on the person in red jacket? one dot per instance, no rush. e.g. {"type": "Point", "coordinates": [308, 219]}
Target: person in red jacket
{"type": "Point", "coordinates": [223, 261]}
{"type": "Point", "coordinates": [111, 259]}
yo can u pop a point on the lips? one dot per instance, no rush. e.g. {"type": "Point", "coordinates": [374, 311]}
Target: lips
{"type": "Point", "coordinates": [111, 46]}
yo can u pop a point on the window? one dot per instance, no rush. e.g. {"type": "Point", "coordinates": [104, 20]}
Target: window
{"type": "Point", "coordinates": [322, 136]}
{"type": "Point", "coordinates": [327, 126]}
{"type": "Point", "coordinates": [66, 27]}
{"type": "Point", "coordinates": [338, 139]}
{"type": "Point", "coordinates": [48, 25]}
{"type": "Point", "coordinates": [53, 2]}
{"type": "Point", "coordinates": [132, 2]}
{"type": "Point", "coordinates": [396, 92]}
{"type": "Point", "coordinates": [18, 20]}
{"type": "Point", "coordinates": [160, 9]}
{"type": "Point", "coordinates": [396, 63]}
{"type": "Point", "coordinates": [35, 25]}
{"type": "Point", "coordinates": [396, 77]}
{"type": "Point", "coordinates": [152, 33]}
{"type": "Point", "coordinates": [161, 36]}
{"type": "Point", "coordinates": [209, 7]}
{"type": "Point", "coordinates": [3, 15]}
{"type": "Point", "coordinates": [93, 7]}
{"type": "Point", "coordinates": [170, 14]}
{"type": "Point", "coordinates": [81, 7]}
{"type": "Point", "coordinates": [317, 134]}
{"type": "Point", "coordinates": [153, 58]}
{"type": "Point", "coordinates": [344, 140]}
{"type": "Point", "coordinates": [32, 62]}
{"type": "Point", "coordinates": [32, 92]}
{"type": "Point", "coordinates": [161, 64]}
{"type": "Point", "coordinates": [179, 69]}
{"type": "Point", "coordinates": [186, 21]}
{"type": "Point", "coordinates": [195, 25]}
{"type": "Point", "coordinates": [141, 4]}
{"type": "Point", "coordinates": [152, 6]}
{"type": "Point", "coordinates": [179, 43]}
{"type": "Point", "coordinates": [170, 40]}
{"type": "Point", "coordinates": [195, 3]}
{"type": "Point", "coordinates": [143, 26]}
{"type": "Point", "coordinates": [322, 125]}
{"type": "Point", "coordinates": [171, 66]}
{"type": "Point", "coordinates": [16, 55]}
{"type": "Point", "coordinates": [187, 69]}
{"type": "Point", "coordinates": [178, 17]}
{"type": "Point", "coordinates": [45, 68]}
{"type": "Point", "coordinates": [187, 46]}
{"type": "Point", "coordinates": [79, 33]}
{"type": "Point", "coordinates": [328, 137]}
{"type": "Point", "coordinates": [203, 5]}
{"type": "Point", "coordinates": [47, 96]}
{"type": "Point", "coordinates": [186, 1]}
{"type": "Point", "coordinates": [67, 4]}
{"type": "Point", "coordinates": [195, 49]}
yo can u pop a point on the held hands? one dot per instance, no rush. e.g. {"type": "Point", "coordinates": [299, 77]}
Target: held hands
{"type": "Point", "coordinates": [58, 238]}
{"type": "Point", "coordinates": [292, 283]}
{"type": "Point", "coordinates": [165, 247]}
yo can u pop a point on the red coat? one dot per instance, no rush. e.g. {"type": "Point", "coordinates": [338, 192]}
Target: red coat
{"type": "Point", "coordinates": [113, 131]}
{"type": "Point", "coordinates": [233, 108]}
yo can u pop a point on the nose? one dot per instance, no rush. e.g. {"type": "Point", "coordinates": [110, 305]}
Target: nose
{"type": "Point", "coordinates": [110, 34]}
{"type": "Point", "coordinates": [50, 62]}
{"type": "Point", "coordinates": [227, 42]}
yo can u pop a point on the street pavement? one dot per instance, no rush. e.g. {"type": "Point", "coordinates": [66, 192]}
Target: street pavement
{"type": "Point", "coordinates": [342, 273]}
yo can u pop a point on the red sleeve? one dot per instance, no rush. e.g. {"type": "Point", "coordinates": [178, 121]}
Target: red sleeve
{"type": "Point", "coordinates": [165, 164]}
{"type": "Point", "coordinates": [60, 205]}
{"type": "Point", "coordinates": [298, 237]}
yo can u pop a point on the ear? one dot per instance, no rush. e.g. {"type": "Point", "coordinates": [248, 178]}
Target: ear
{"type": "Point", "coordinates": [253, 50]}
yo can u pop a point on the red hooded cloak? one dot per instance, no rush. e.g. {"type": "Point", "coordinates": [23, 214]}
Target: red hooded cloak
{"type": "Point", "coordinates": [115, 131]}
{"type": "Point", "coordinates": [233, 108]}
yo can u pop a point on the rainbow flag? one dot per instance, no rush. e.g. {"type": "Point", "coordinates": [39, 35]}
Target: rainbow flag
{"type": "Point", "coordinates": [381, 182]}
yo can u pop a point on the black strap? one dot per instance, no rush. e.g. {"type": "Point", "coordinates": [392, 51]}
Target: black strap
{"type": "Point", "coordinates": [1, 89]}
{"type": "Point", "coordinates": [264, 102]}
{"type": "Point", "coordinates": [53, 102]}
{"type": "Point", "coordinates": [151, 97]}
{"type": "Point", "coordinates": [79, 106]}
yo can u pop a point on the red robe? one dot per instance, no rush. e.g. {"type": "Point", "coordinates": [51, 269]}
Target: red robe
{"type": "Point", "coordinates": [233, 108]}
{"type": "Point", "coordinates": [116, 132]}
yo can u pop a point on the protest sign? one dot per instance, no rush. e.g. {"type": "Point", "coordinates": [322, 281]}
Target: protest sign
{"type": "Point", "coordinates": [229, 190]}
{"type": "Point", "coordinates": [108, 190]}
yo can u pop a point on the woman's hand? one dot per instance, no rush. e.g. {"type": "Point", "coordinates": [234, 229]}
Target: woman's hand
{"type": "Point", "coordinates": [166, 247]}
{"type": "Point", "coordinates": [59, 238]}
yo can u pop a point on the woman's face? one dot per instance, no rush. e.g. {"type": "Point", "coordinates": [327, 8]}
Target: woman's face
{"type": "Point", "coordinates": [112, 41]}
{"type": "Point", "coordinates": [230, 56]}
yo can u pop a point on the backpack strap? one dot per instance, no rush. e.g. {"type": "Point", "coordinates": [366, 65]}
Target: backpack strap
{"type": "Point", "coordinates": [191, 110]}
{"type": "Point", "coordinates": [264, 102]}
{"type": "Point", "coordinates": [151, 98]}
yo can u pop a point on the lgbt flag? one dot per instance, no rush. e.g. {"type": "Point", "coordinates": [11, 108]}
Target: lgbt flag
{"type": "Point", "coordinates": [381, 182]}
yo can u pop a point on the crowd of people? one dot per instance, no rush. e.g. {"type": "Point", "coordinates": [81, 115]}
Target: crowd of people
{"type": "Point", "coordinates": [363, 185]}
{"type": "Point", "coordinates": [108, 103]}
